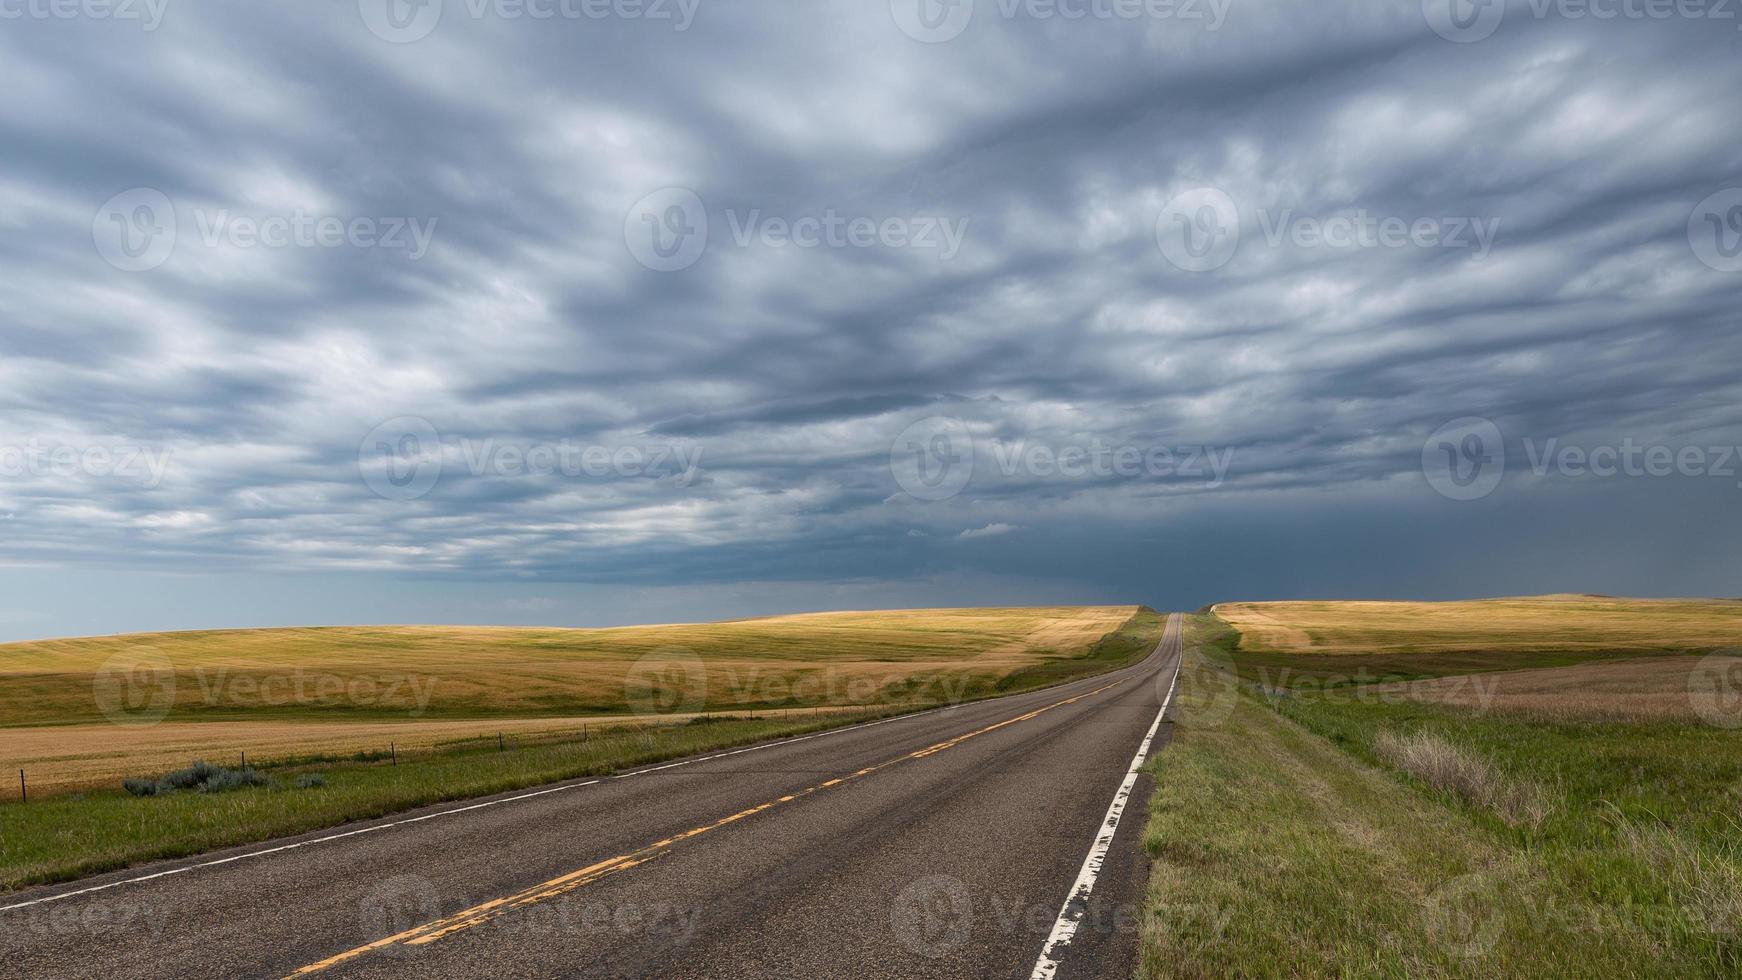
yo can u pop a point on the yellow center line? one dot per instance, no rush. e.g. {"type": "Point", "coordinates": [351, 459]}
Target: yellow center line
{"type": "Point", "coordinates": [429, 932]}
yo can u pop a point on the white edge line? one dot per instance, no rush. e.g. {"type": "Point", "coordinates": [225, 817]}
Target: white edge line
{"type": "Point", "coordinates": [1076, 903]}
{"type": "Point", "coordinates": [474, 806]}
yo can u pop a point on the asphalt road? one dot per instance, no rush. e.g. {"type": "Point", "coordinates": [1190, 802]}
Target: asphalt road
{"type": "Point", "coordinates": [955, 843]}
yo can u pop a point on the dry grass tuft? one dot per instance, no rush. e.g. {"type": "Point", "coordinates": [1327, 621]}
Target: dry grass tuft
{"type": "Point", "coordinates": [1457, 770]}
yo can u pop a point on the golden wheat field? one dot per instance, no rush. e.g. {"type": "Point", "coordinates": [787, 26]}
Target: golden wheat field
{"type": "Point", "coordinates": [1572, 624]}
{"type": "Point", "coordinates": [78, 712]}
{"type": "Point", "coordinates": [67, 757]}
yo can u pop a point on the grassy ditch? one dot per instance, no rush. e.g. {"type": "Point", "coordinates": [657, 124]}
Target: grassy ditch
{"type": "Point", "coordinates": [1322, 833]}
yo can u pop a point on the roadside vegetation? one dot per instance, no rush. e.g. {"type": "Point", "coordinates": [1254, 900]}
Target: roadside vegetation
{"type": "Point", "coordinates": [1347, 829]}
{"type": "Point", "coordinates": [205, 807]}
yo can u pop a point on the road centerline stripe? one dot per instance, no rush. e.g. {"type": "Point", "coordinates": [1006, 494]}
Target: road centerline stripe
{"type": "Point", "coordinates": [588, 781]}
{"type": "Point", "coordinates": [430, 932]}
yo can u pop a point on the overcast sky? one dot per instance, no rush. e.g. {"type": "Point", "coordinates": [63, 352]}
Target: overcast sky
{"type": "Point", "coordinates": [583, 312]}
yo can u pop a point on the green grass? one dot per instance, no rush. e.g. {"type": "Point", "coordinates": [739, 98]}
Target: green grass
{"type": "Point", "coordinates": [1318, 671]}
{"type": "Point", "coordinates": [68, 836]}
{"type": "Point", "coordinates": [1644, 820]}
{"type": "Point", "coordinates": [1288, 843]}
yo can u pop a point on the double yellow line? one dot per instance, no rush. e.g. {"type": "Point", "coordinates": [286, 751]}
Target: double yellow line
{"type": "Point", "coordinates": [429, 932]}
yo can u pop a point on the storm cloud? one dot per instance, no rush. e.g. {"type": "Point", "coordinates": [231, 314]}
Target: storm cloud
{"type": "Point", "coordinates": [753, 306]}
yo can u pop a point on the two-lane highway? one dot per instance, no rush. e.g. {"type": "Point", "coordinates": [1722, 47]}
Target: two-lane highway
{"type": "Point", "coordinates": [990, 839]}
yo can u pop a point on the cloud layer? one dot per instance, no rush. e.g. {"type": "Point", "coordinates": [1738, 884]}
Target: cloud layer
{"type": "Point", "coordinates": [841, 293]}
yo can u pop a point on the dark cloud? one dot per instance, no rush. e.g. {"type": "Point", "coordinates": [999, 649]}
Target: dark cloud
{"type": "Point", "coordinates": [1022, 293]}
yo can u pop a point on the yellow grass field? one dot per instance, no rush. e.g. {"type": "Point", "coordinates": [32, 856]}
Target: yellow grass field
{"type": "Point", "coordinates": [67, 757]}
{"type": "Point", "coordinates": [83, 712]}
{"type": "Point", "coordinates": [1567, 624]}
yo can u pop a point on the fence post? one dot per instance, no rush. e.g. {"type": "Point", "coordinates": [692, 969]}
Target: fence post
{"type": "Point", "coordinates": [500, 745]}
{"type": "Point", "coordinates": [394, 750]}
{"type": "Point", "coordinates": [23, 793]}
{"type": "Point", "coordinates": [244, 758]}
